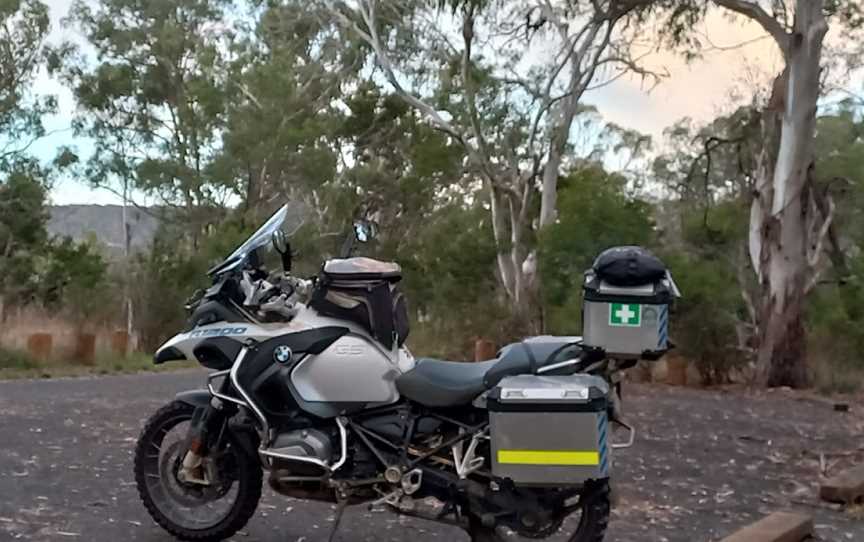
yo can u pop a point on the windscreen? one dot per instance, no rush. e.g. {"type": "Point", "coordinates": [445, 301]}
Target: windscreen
{"type": "Point", "coordinates": [257, 240]}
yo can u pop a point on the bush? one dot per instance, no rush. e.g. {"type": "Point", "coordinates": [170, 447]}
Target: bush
{"type": "Point", "coordinates": [703, 322]}
{"type": "Point", "coordinates": [16, 359]}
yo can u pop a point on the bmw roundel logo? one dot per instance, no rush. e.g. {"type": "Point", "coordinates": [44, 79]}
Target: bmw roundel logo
{"type": "Point", "coordinates": [282, 354]}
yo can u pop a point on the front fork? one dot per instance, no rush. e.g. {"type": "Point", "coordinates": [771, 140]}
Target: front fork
{"type": "Point", "coordinates": [205, 436]}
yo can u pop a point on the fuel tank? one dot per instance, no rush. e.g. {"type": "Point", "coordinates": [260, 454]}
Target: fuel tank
{"type": "Point", "coordinates": [351, 370]}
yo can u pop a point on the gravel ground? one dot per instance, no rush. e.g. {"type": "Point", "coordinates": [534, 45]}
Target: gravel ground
{"type": "Point", "coordinates": [705, 463]}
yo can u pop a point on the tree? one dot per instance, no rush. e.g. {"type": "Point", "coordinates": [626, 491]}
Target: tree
{"type": "Point", "coordinates": [284, 88]}
{"type": "Point", "coordinates": [153, 104]}
{"type": "Point", "coordinates": [154, 101]}
{"type": "Point", "coordinates": [787, 225]}
{"type": "Point", "coordinates": [73, 277]}
{"type": "Point", "coordinates": [790, 215]}
{"type": "Point", "coordinates": [513, 122]}
{"type": "Point", "coordinates": [711, 173]}
{"type": "Point", "coordinates": [23, 235]}
{"type": "Point", "coordinates": [23, 30]}
{"type": "Point", "coordinates": [35, 269]}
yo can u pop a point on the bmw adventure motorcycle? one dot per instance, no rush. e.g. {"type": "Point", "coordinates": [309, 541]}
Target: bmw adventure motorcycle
{"type": "Point", "coordinates": [311, 382]}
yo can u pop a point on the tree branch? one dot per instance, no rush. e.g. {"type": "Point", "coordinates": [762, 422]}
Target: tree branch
{"type": "Point", "coordinates": [754, 12]}
{"type": "Point", "coordinates": [814, 256]}
{"type": "Point", "coordinates": [471, 93]}
{"type": "Point", "coordinates": [366, 8]}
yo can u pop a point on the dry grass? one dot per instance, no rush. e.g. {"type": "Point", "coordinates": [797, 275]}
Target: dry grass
{"type": "Point", "coordinates": [16, 364]}
{"type": "Point", "coordinates": [22, 323]}
{"type": "Point", "coordinates": [831, 376]}
{"type": "Point", "coordinates": [856, 511]}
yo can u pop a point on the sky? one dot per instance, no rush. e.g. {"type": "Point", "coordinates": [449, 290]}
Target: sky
{"type": "Point", "coordinates": [698, 90]}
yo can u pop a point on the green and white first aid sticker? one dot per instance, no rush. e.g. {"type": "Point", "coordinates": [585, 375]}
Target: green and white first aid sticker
{"type": "Point", "coordinates": [625, 314]}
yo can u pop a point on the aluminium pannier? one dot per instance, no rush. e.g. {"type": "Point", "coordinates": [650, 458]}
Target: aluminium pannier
{"type": "Point", "coordinates": [549, 430]}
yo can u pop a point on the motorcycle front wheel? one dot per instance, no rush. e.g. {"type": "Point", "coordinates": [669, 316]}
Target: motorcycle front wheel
{"type": "Point", "coordinates": [593, 509]}
{"type": "Point", "coordinates": [190, 511]}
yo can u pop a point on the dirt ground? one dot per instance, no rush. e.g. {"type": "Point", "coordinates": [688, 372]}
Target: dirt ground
{"type": "Point", "coordinates": [705, 463]}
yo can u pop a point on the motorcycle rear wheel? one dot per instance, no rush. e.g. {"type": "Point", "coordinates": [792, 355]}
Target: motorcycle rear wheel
{"type": "Point", "coordinates": [165, 497]}
{"type": "Point", "coordinates": [594, 519]}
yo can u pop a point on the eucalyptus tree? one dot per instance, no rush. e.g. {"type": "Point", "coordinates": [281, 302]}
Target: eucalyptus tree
{"type": "Point", "coordinates": [150, 92]}
{"type": "Point", "coordinates": [24, 26]}
{"type": "Point", "coordinates": [285, 84]}
{"type": "Point", "coordinates": [504, 80]}
{"type": "Point", "coordinates": [788, 223]}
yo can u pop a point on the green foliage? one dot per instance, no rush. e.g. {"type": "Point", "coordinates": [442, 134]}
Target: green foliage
{"type": "Point", "coordinates": [154, 102]}
{"type": "Point", "coordinates": [16, 360]}
{"type": "Point", "coordinates": [595, 213]}
{"type": "Point", "coordinates": [281, 115]}
{"type": "Point", "coordinates": [711, 169]}
{"type": "Point", "coordinates": [840, 167]}
{"type": "Point", "coordinates": [704, 320]}
{"type": "Point", "coordinates": [717, 232]}
{"type": "Point", "coordinates": [74, 277]}
{"type": "Point", "coordinates": [450, 283]}
{"type": "Point", "coordinates": [34, 268]}
{"type": "Point", "coordinates": [23, 30]}
{"type": "Point", "coordinates": [22, 233]}
{"type": "Point", "coordinates": [713, 162]}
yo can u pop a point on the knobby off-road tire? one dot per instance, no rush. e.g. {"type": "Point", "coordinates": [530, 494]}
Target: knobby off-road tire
{"type": "Point", "coordinates": [592, 523]}
{"type": "Point", "coordinates": [248, 473]}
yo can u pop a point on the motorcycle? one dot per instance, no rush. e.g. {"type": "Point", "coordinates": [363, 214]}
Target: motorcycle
{"type": "Point", "coordinates": [312, 382]}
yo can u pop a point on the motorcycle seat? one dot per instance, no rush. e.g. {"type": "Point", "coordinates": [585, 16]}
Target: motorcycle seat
{"type": "Point", "coordinates": [438, 383]}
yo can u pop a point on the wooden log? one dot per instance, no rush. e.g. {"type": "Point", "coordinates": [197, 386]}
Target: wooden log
{"type": "Point", "coordinates": [846, 487]}
{"type": "Point", "coordinates": [484, 349]}
{"type": "Point", "coordinates": [120, 343]}
{"type": "Point", "coordinates": [677, 371]}
{"type": "Point", "coordinates": [778, 527]}
{"type": "Point", "coordinates": [85, 348]}
{"type": "Point", "coordinates": [39, 346]}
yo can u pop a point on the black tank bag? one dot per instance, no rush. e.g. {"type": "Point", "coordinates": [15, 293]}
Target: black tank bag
{"type": "Point", "coordinates": [377, 305]}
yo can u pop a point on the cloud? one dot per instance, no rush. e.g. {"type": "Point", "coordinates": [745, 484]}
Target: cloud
{"type": "Point", "coordinates": [700, 89]}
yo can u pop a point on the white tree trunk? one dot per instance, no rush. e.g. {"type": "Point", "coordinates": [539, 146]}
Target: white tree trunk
{"type": "Point", "coordinates": [781, 210]}
{"type": "Point", "coordinates": [500, 221]}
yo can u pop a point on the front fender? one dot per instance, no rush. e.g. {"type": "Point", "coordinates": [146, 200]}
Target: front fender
{"type": "Point", "coordinates": [194, 398]}
{"type": "Point", "coordinates": [168, 353]}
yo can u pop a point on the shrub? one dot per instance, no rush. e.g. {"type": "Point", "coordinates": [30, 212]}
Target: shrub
{"type": "Point", "coordinates": [703, 322]}
{"type": "Point", "coordinates": [16, 359]}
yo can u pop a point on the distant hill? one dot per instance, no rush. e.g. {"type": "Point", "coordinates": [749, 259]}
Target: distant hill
{"type": "Point", "coordinates": [105, 223]}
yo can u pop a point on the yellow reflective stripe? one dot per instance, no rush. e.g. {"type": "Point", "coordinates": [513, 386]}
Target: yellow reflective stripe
{"type": "Point", "coordinates": [548, 457]}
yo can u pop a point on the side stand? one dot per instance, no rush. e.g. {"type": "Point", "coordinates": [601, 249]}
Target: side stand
{"type": "Point", "coordinates": [340, 509]}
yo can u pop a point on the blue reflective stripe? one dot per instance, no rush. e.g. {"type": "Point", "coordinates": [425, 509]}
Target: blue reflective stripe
{"type": "Point", "coordinates": [664, 327]}
{"type": "Point", "coordinates": [602, 426]}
